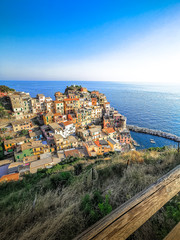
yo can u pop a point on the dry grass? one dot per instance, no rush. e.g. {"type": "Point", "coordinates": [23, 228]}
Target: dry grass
{"type": "Point", "coordinates": [57, 213]}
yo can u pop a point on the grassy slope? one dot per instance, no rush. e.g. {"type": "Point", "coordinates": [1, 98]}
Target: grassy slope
{"type": "Point", "coordinates": [57, 212]}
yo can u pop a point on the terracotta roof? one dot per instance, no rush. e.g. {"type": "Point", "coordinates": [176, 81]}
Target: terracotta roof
{"type": "Point", "coordinates": [72, 152]}
{"type": "Point", "coordinates": [10, 177]}
{"type": "Point", "coordinates": [109, 130]}
{"type": "Point", "coordinates": [58, 114]}
{"type": "Point", "coordinates": [70, 117]}
{"type": "Point", "coordinates": [66, 123]}
{"type": "Point", "coordinates": [71, 99]}
{"type": "Point", "coordinates": [97, 143]}
{"type": "Point", "coordinates": [58, 101]}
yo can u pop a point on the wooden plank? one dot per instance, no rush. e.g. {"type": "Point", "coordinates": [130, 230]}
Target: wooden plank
{"type": "Point", "coordinates": [127, 218]}
{"type": "Point", "coordinates": [174, 234]}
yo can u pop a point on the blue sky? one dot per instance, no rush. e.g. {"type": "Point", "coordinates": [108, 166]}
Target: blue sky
{"type": "Point", "coordinates": [89, 40]}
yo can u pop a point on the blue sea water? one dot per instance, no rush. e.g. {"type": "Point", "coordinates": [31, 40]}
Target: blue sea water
{"type": "Point", "coordinates": [151, 106]}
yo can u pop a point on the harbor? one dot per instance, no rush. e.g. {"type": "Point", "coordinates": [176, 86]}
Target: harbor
{"type": "Point", "coordinates": [153, 132]}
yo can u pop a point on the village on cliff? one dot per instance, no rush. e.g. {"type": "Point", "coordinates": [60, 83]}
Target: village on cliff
{"type": "Point", "coordinates": [43, 132]}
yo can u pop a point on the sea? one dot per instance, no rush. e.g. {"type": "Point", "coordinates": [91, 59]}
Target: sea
{"type": "Point", "coordinates": [145, 105]}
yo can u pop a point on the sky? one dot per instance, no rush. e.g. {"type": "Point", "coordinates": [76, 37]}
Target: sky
{"type": "Point", "coordinates": [97, 40]}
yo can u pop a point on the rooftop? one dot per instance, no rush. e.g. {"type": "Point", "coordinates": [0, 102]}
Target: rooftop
{"type": "Point", "coordinates": [41, 162]}
{"type": "Point", "coordinates": [108, 130]}
{"type": "Point", "coordinates": [72, 152]}
{"type": "Point", "coordinates": [15, 140]}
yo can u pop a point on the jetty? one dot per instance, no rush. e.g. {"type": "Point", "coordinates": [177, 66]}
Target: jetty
{"type": "Point", "coordinates": [153, 132]}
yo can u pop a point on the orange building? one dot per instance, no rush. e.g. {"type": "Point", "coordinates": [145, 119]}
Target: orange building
{"type": "Point", "coordinates": [83, 89]}
{"type": "Point", "coordinates": [70, 105]}
{"type": "Point", "coordinates": [3, 94]}
{"type": "Point", "coordinates": [10, 177]}
{"type": "Point", "coordinates": [106, 123]}
{"type": "Point", "coordinates": [102, 147]}
{"type": "Point", "coordinates": [94, 101]}
{"type": "Point", "coordinates": [109, 131]}
{"type": "Point", "coordinates": [95, 93]}
{"type": "Point", "coordinates": [124, 137]}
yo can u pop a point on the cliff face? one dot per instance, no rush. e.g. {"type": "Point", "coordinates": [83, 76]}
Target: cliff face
{"type": "Point", "coordinates": [59, 204]}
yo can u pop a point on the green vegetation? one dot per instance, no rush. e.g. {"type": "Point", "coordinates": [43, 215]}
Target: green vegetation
{"type": "Point", "coordinates": [95, 207]}
{"type": "Point", "coordinates": [58, 204]}
{"type": "Point", "coordinates": [4, 88]}
{"type": "Point", "coordinates": [3, 112]}
{"type": "Point", "coordinates": [73, 87]}
{"type": "Point", "coordinates": [23, 132]}
{"type": "Point", "coordinates": [1, 149]}
{"type": "Point", "coordinates": [9, 137]}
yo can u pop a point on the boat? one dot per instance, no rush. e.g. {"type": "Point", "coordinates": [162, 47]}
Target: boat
{"type": "Point", "coordinates": [136, 144]}
{"type": "Point", "coordinates": [152, 141]}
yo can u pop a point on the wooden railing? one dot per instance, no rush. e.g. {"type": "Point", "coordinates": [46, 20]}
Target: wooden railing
{"type": "Point", "coordinates": [127, 218]}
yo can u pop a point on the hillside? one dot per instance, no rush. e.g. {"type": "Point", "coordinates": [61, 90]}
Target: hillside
{"type": "Point", "coordinates": [6, 89]}
{"type": "Point", "coordinates": [59, 203]}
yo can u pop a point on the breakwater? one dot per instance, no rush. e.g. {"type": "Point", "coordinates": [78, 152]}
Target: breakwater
{"type": "Point", "coordinates": [154, 132]}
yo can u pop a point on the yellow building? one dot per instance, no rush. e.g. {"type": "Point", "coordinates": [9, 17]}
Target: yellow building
{"type": "Point", "coordinates": [48, 118]}
{"type": "Point", "coordinates": [37, 147]}
{"type": "Point", "coordinates": [20, 125]}
{"type": "Point", "coordinates": [11, 143]}
{"type": "Point", "coordinates": [60, 142]}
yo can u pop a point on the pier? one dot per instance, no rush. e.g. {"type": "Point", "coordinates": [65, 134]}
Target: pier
{"type": "Point", "coordinates": [153, 132]}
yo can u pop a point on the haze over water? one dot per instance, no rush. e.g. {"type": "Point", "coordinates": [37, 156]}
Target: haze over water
{"type": "Point", "coordinates": [151, 106]}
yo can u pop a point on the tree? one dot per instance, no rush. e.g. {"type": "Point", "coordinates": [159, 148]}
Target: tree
{"type": "Point", "coordinates": [24, 132]}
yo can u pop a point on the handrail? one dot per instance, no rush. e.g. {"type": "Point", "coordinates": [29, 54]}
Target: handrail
{"type": "Point", "coordinates": [127, 218]}
{"type": "Point", "coordinates": [174, 234]}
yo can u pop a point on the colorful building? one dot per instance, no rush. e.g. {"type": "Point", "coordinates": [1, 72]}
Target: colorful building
{"type": "Point", "coordinates": [71, 105]}
{"type": "Point", "coordinates": [48, 118]}
{"type": "Point", "coordinates": [20, 125]}
{"type": "Point", "coordinates": [94, 101]}
{"type": "Point", "coordinates": [12, 143]}
{"type": "Point", "coordinates": [102, 147]}
{"type": "Point", "coordinates": [10, 177]}
{"type": "Point", "coordinates": [59, 107]}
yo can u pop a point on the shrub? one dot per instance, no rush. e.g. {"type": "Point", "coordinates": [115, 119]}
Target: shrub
{"type": "Point", "coordinates": [61, 179]}
{"type": "Point", "coordinates": [95, 207]}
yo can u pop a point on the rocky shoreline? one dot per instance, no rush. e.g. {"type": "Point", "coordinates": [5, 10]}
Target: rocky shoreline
{"type": "Point", "coordinates": [154, 132]}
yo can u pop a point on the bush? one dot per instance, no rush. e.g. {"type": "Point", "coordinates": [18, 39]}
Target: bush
{"type": "Point", "coordinates": [78, 169]}
{"type": "Point", "coordinates": [95, 207]}
{"type": "Point", "coordinates": [60, 180]}
{"type": "Point", "coordinates": [24, 132]}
